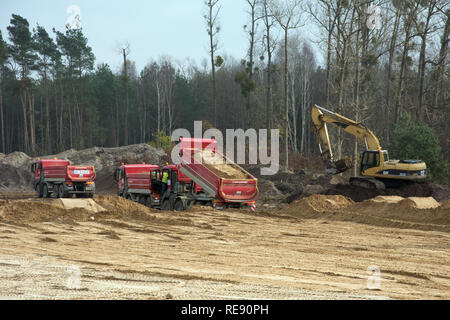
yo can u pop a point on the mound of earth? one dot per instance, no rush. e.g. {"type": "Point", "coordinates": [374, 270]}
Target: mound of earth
{"type": "Point", "coordinates": [314, 205]}
{"type": "Point", "coordinates": [446, 204]}
{"type": "Point", "coordinates": [385, 211]}
{"type": "Point", "coordinates": [101, 208]}
{"type": "Point", "coordinates": [216, 164]}
{"type": "Point", "coordinates": [87, 204]}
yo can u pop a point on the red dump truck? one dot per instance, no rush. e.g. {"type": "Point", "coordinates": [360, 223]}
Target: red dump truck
{"type": "Point", "coordinates": [57, 178]}
{"type": "Point", "coordinates": [139, 182]}
{"type": "Point", "coordinates": [228, 183]}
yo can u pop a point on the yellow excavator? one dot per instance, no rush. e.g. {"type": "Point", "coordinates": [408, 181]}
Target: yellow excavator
{"type": "Point", "coordinates": [376, 169]}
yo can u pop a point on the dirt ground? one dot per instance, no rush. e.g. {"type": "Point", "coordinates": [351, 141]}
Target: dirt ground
{"type": "Point", "coordinates": [319, 247]}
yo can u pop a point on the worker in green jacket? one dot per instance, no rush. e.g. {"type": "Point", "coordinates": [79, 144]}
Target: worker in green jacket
{"type": "Point", "coordinates": [164, 182]}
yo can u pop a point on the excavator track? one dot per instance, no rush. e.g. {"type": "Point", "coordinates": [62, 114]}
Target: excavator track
{"type": "Point", "coordinates": [367, 183]}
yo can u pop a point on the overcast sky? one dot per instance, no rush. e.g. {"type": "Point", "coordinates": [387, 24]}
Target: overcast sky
{"type": "Point", "coordinates": [153, 27]}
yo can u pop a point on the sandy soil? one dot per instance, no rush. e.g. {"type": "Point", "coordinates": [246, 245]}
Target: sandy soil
{"type": "Point", "coordinates": [316, 248]}
{"type": "Point", "coordinates": [218, 165]}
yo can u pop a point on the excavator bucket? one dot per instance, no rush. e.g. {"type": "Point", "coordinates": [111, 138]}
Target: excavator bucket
{"type": "Point", "coordinates": [343, 164]}
{"type": "Point", "coordinates": [339, 166]}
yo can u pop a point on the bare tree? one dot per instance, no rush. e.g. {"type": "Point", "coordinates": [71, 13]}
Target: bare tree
{"type": "Point", "coordinates": [392, 47]}
{"type": "Point", "coordinates": [439, 72]}
{"type": "Point", "coordinates": [269, 44]}
{"type": "Point", "coordinates": [408, 20]}
{"type": "Point", "coordinates": [424, 29]}
{"type": "Point", "coordinates": [288, 16]}
{"type": "Point", "coordinates": [125, 50]}
{"type": "Point", "coordinates": [213, 29]}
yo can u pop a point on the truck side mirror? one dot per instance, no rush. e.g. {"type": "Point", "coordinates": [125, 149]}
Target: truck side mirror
{"type": "Point", "coordinates": [33, 167]}
{"type": "Point", "coordinates": [116, 175]}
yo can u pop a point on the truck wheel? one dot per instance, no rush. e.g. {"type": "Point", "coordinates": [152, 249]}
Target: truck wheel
{"type": "Point", "coordinates": [45, 191]}
{"type": "Point", "coordinates": [61, 191]}
{"type": "Point", "coordinates": [39, 190]}
{"type": "Point", "coordinates": [90, 195]}
{"type": "Point", "coordinates": [55, 193]}
{"type": "Point", "coordinates": [179, 206]}
{"type": "Point", "coordinates": [165, 206]}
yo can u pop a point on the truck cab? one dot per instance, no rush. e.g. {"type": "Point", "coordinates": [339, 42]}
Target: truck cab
{"type": "Point", "coordinates": [181, 191]}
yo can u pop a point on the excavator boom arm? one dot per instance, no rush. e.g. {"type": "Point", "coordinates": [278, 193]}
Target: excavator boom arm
{"type": "Point", "coordinates": [321, 117]}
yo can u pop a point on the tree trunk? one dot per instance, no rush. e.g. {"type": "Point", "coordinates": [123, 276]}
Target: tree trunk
{"type": "Point", "coordinates": [32, 123]}
{"type": "Point", "coordinates": [422, 63]}
{"type": "Point", "coordinates": [403, 67]}
{"type": "Point", "coordinates": [2, 132]}
{"type": "Point", "coordinates": [125, 77]}
{"type": "Point", "coordinates": [213, 66]}
{"type": "Point", "coordinates": [286, 107]}
{"type": "Point", "coordinates": [441, 63]}
{"type": "Point", "coordinates": [269, 69]}
{"type": "Point", "coordinates": [389, 75]}
{"type": "Point", "coordinates": [23, 99]}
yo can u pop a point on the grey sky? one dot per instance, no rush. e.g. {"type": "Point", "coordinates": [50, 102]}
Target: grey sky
{"type": "Point", "coordinates": [153, 28]}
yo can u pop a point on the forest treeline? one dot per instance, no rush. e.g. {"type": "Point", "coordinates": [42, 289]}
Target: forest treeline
{"type": "Point", "coordinates": [382, 59]}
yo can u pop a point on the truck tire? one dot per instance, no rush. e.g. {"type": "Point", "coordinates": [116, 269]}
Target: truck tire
{"type": "Point", "coordinates": [45, 191]}
{"type": "Point", "coordinates": [179, 206]}
{"type": "Point", "coordinates": [39, 190]}
{"type": "Point", "coordinates": [165, 206]}
{"type": "Point", "coordinates": [55, 193]}
{"type": "Point", "coordinates": [61, 193]}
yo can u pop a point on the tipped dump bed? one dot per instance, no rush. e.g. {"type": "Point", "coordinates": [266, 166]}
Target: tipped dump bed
{"type": "Point", "coordinates": [216, 174]}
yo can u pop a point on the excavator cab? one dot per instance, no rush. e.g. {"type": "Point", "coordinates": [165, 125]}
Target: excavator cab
{"type": "Point", "coordinates": [371, 159]}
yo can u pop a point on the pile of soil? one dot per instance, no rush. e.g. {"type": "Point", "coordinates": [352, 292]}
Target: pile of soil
{"type": "Point", "coordinates": [87, 204]}
{"type": "Point", "coordinates": [16, 171]}
{"type": "Point", "coordinates": [314, 205]}
{"type": "Point", "coordinates": [103, 207]}
{"type": "Point", "coordinates": [218, 165]}
{"type": "Point", "coordinates": [446, 204]}
{"type": "Point", "coordinates": [385, 211]}
{"type": "Point", "coordinates": [30, 211]}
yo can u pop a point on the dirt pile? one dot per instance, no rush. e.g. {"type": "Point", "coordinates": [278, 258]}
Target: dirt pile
{"type": "Point", "coordinates": [16, 174]}
{"type": "Point", "coordinates": [30, 211]}
{"type": "Point", "coordinates": [216, 164]}
{"type": "Point", "coordinates": [101, 208]}
{"type": "Point", "coordinates": [314, 205]}
{"type": "Point", "coordinates": [87, 204]}
{"type": "Point", "coordinates": [385, 211]}
{"type": "Point", "coordinates": [297, 185]}
{"type": "Point", "coordinates": [16, 171]}
{"type": "Point", "coordinates": [446, 204]}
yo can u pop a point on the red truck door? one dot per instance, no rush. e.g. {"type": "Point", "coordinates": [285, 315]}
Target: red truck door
{"type": "Point", "coordinates": [119, 176]}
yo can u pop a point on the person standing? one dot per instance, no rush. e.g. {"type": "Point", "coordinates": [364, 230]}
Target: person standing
{"type": "Point", "coordinates": [164, 182]}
